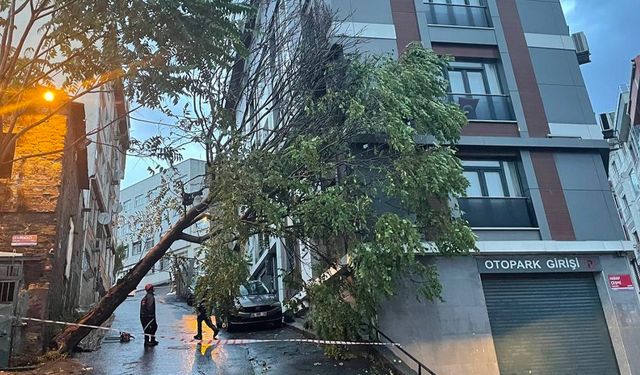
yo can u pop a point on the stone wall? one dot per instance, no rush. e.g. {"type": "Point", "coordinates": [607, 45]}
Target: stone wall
{"type": "Point", "coordinates": [41, 198]}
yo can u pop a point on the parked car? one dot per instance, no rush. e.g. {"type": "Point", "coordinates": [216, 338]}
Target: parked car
{"type": "Point", "coordinates": [254, 304]}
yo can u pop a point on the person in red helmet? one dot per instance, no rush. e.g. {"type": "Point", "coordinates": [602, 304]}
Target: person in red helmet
{"type": "Point", "coordinates": [148, 316]}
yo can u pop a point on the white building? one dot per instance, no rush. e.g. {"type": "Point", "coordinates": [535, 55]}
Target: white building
{"type": "Point", "coordinates": [135, 201]}
{"type": "Point", "coordinates": [107, 124]}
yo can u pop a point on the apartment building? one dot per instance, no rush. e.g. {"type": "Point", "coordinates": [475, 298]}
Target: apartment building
{"type": "Point", "coordinates": [621, 128]}
{"type": "Point", "coordinates": [551, 289]}
{"type": "Point", "coordinates": [108, 132]}
{"type": "Point", "coordinates": [136, 200]}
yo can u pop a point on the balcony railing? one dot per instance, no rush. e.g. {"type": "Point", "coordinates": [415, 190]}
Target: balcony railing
{"type": "Point", "coordinates": [490, 212]}
{"type": "Point", "coordinates": [458, 14]}
{"type": "Point", "coordinates": [484, 106]}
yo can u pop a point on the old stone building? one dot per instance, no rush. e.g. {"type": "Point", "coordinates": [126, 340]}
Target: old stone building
{"type": "Point", "coordinates": [40, 227]}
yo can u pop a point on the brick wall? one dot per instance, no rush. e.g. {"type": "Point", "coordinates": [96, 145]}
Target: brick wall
{"type": "Point", "coordinates": [41, 197]}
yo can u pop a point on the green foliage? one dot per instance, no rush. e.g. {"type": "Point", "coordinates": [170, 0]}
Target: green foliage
{"type": "Point", "coordinates": [224, 270]}
{"type": "Point", "coordinates": [359, 146]}
{"type": "Point", "coordinates": [121, 253]}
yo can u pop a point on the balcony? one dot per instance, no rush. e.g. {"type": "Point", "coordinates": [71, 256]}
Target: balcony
{"type": "Point", "coordinates": [484, 106]}
{"type": "Point", "coordinates": [487, 212]}
{"type": "Point", "coordinates": [458, 15]}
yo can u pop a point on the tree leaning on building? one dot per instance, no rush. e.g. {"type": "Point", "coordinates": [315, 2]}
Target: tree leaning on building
{"type": "Point", "coordinates": [303, 140]}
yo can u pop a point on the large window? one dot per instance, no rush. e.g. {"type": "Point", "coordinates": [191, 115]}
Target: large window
{"type": "Point", "coordinates": [476, 88]}
{"type": "Point", "coordinates": [471, 13]}
{"type": "Point", "coordinates": [136, 248]}
{"type": "Point", "coordinates": [489, 178]}
{"type": "Point", "coordinates": [139, 200]}
{"type": "Point", "coordinates": [495, 196]}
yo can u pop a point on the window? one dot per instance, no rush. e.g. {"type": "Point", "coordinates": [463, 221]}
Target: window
{"type": "Point", "coordinates": [126, 206]}
{"type": "Point", "coordinates": [7, 291]}
{"type": "Point", "coordinates": [471, 13]}
{"type": "Point", "coordinates": [136, 248]}
{"type": "Point", "coordinates": [476, 88]}
{"type": "Point", "coordinates": [491, 178]}
{"type": "Point", "coordinates": [633, 152]}
{"type": "Point", "coordinates": [635, 184]}
{"type": "Point", "coordinates": [148, 244]}
{"type": "Point", "coordinates": [6, 162]}
{"type": "Point", "coordinates": [139, 200]}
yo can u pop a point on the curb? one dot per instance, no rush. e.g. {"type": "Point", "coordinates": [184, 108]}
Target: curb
{"type": "Point", "coordinates": [300, 329]}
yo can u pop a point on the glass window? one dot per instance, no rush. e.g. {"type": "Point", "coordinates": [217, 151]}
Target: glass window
{"type": "Point", "coordinates": [493, 181]}
{"type": "Point", "coordinates": [136, 248]}
{"type": "Point", "coordinates": [139, 201]}
{"type": "Point", "coordinates": [489, 178]}
{"type": "Point", "coordinates": [476, 82]}
{"type": "Point", "coordinates": [456, 81]}
{"type": "Point", "coordinates": [474, 189]}
{"type": "Point", "coordinates": [253, 288]}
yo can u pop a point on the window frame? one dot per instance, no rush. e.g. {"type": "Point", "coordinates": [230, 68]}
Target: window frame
{"type": "Point", "coordinates": [138, 245]}
{"type": "Point", "coordinates": [502, 170]}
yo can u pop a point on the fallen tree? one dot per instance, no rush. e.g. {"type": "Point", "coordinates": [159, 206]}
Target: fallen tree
{"type": "Point", "coordinates": [307, 140]}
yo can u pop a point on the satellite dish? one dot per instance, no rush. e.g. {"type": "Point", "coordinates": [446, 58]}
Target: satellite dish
{"type": "Point", "coordinates": [117, 208]}
{"type": "Point", "coordinates": [104, 218]}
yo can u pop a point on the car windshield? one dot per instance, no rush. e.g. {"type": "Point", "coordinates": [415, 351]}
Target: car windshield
{"type": "Point", "coordinates": [253, 288]}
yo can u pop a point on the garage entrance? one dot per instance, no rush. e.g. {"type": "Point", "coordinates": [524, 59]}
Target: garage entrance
{"type": "Point", "coordinates": [548, 324]}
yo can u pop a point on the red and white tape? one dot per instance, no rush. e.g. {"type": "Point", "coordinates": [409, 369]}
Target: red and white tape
{"type": "Point", "coordinates": [217, 342]}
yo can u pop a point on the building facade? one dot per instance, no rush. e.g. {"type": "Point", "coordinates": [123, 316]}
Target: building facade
{"type": "Point", "coordinates": [108, 133]}
{"type": "Point", "coordinates": [135, 201]}
{"type": "Point", "coordinates": [47, 216]}
{"type": "Point", "coordinates": [551, 289]}
{"type": "Point", "coordinates": [621, 127]}
{"type": "Point", "coordinates": [40, 219]}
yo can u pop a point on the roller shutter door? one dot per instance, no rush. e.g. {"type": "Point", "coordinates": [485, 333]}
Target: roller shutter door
{"type": "Point", "coordinates": [548, 324]}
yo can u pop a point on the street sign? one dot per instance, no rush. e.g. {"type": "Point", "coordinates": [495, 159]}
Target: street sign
{"type": "Point", "coordinates": [537, 263]}
{"type": "Point", "coordinates": [18, 240]}
{"type": "Point", "coordinates": [620, 282]}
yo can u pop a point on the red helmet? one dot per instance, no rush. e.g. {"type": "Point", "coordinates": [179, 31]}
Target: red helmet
{"type": "Point", "coordinates": [148, 287]}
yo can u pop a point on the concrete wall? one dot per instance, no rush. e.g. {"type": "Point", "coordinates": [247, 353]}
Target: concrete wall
{"type": "Point", "coordinates": [451, 337]}
{"type": "Point", "coordinates": [622, 311]}
{"type": "Point", "coordinates": [542, 17]}
{"type": "Point", "coordinates": [590, 202]}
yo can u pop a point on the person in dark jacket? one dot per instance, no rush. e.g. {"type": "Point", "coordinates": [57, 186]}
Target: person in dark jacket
{"type": "Point", "coordinates": [203, 316]}
{"type": "Point", "coordinates": [148, 316]}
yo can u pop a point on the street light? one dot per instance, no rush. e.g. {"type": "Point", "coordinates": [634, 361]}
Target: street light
{"type": "Point", "coordinates": [49, 96]}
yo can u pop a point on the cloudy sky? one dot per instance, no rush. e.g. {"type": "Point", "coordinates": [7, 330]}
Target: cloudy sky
{"type": "Point", "coordinates": [611, 29]}
{"type": "Point", "coordinates": [612, 32]}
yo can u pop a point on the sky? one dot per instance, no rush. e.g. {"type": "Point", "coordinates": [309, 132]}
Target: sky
{"type": "Point", "coordinates": [612, 34]}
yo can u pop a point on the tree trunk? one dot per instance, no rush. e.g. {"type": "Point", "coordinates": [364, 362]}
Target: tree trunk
{"type": "Point", "coordinates": [71, 336]}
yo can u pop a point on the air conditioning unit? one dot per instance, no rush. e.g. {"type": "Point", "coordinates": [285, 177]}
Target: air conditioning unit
{"type": "Point", "coordinates": [582, 47]}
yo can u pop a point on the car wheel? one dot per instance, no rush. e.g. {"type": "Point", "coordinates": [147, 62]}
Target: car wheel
{"type": "Point", "coordinates": [278, 324]}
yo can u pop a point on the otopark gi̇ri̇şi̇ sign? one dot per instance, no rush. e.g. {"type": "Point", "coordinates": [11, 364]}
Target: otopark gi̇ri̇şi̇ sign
{"type": "Point", "coordinates": [529, 264]}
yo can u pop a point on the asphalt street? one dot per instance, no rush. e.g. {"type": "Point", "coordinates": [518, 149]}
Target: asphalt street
{"type": "Point", "coordinates": [178, 353]}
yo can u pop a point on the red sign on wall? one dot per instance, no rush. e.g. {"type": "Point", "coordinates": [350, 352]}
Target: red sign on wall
{"type": "Point", "coordinates": [24, 240]}
{"type": "Point", "coordinates": [620, 282]}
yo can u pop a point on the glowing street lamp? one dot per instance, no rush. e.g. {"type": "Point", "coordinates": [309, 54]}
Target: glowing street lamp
{"type": "Point", "coordinates": [49, 96]}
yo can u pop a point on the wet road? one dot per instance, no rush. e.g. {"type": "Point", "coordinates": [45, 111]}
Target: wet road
{"type": "Point", "coordinates": [178, 353]}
